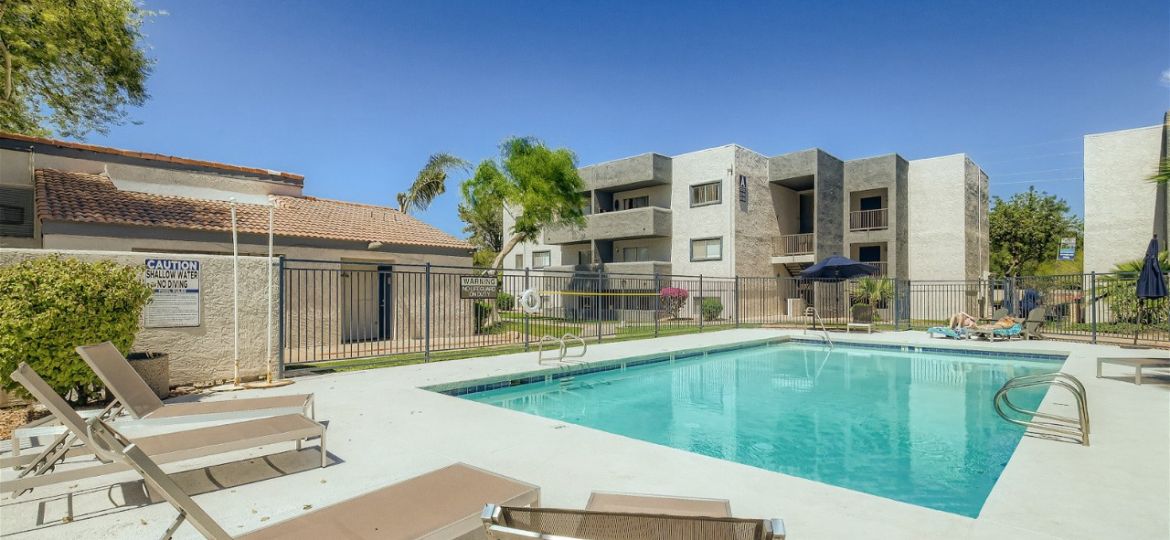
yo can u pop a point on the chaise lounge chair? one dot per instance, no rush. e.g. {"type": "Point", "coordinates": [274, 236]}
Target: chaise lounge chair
{"type": "Point", "coordinates": [442, 504]}
{"type": "Point", "coordinates": [140, 402]}
{"type": "Point", "coordinates": [1034, 322]}
{"type": "Point", "coordinates": [164, 448]}
{"type": "Point", "coordinates": [510, 523]}
{"type": "Point", "coordinates": [993, 332]}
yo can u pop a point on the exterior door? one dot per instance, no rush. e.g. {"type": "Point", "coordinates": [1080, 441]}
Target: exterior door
{"type": "Point", "coordinates": [385, 302]}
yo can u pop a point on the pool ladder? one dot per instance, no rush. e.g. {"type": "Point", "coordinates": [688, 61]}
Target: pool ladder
{"type": "Point", "coordinates": [816, 319]}
{"type": "Point", "coordinates": [562, 346]}
{"type": "Point", "coordinates": [1062, 426]}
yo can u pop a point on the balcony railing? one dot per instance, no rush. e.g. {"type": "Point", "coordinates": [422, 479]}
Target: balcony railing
{"type": "Point", "coordinates": [794, 244]}
{"type": "Point", "coordinates": [868, 220]}
{"type": "Point", "coordinates": [882, 266]}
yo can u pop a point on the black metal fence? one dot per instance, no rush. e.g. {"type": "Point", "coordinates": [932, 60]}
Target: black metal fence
{"type": "Point", "coordinates": [345, 310]}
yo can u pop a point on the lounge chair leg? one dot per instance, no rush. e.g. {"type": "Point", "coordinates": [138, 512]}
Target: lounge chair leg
{"type": "Point", "coordinates": [321, 444]}
{"type": "Point", "coordinates": [174, 526]}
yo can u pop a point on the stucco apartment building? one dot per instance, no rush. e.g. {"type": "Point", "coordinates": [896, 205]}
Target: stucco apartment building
{"type": "Point", "coordinates": [1123, 209]}
{"type": "Point", "coordinates": [58, 195]}
{"type": "Point", "coordinates": [729, 211]}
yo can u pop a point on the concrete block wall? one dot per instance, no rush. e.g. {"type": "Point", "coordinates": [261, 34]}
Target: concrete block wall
{"type": "Point", "coordinates": [202, 353]}
{"type": "Point", "coordinates": [1122, 208]}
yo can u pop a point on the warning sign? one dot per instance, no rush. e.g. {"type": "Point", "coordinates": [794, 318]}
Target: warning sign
{"type": "Point", "coordinates": [175, 302]}
{"type": "Point", "coordinates": [477, 287]}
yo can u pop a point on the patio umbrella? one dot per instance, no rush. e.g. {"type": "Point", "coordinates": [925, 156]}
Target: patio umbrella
{"type": "Point", "coordinates": [838, 267]}
{"type": "Point", "coordinates": [1150, 284]}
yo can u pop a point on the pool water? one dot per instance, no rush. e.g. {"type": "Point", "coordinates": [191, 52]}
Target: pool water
{"type": "Point", "coordinates": [916, 427]}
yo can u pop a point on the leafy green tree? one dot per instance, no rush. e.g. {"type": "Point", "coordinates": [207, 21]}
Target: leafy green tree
{"type": "Point", "coordinates": [537, 185]}
{"type": "Point", "coordinates": [484, 223]}
{"type": "Point", "coordinates": [1026, 229]}
{"type": "Point", "coordinates": [72, 65]}
{"type": "Point", "coordinates": [430, 182]}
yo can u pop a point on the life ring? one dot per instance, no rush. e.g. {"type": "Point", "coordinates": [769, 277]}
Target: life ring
{"type": "Point", "coordinates": [530, 301]}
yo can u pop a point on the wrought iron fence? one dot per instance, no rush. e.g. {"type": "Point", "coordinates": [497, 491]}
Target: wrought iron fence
{"type": "Point", "coordinates": [344, 310]}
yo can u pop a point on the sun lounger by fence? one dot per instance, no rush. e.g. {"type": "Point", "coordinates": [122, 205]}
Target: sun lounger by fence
{"type": "Point", "coordinates": [442, 504]}
{"type": "Point", "coordinates": [140, 402]}
{"type": "Point", "coordinates": [164, 448]}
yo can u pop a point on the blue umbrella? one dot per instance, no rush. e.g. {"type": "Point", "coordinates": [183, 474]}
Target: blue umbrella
{"type": "Point", "coordinates": [838, 267]}
{"type": "Point", "coordinates": [1150, 283]}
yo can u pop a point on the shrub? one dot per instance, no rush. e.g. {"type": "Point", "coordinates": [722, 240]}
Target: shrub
{"type": "Point", "coordinates": [505, 301]}
{"type": "Point", "coordinates": [483, 313]}
{"type": "Point", "coordinates": [711, 308]}
{"type": "Point", "coordinates": [672, 300]}
{"type": "Point", "coordinates": [50, 305]}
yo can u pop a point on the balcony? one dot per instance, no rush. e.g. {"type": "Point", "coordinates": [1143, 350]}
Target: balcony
{"type": "Point", "coordinates": [635, 223]}
{"type": "Point", "coordinates": [868, 220]}
{"type": "Point", "coordinates": [794, 244]}
{"type": "Point", "coordinates": [882, 266]}
{"type": "Point", "coordinates": [629, 173]}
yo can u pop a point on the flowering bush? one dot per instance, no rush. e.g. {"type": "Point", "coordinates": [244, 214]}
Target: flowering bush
{"type": "Point", "coordinates": [673, 299]}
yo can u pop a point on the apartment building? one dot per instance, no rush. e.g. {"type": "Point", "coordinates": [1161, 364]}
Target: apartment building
{"type": "Point", "coordinates": [1123, 209]}
{"type": "Point", "coordinates": [731, 211]}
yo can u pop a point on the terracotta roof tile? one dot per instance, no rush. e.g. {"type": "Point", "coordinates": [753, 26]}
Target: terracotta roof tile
{"type": "Point", "coordinates": [90, 198]}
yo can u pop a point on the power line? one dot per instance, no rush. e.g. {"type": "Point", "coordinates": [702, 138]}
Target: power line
{"type": "Point", "coordinates": [1048, 180]}
{"type": "Point", "coordinates": [1038, 171]}
{"type": "Point", "coordinates": [1033, 156]}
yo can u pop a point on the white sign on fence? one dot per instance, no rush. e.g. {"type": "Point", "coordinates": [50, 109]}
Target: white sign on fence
{"type": "Point", "coordinates": [175, 302]}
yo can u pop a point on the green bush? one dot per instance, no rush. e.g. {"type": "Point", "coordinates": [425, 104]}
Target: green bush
{"type": "Point", "coordinates": [50, 305]}
{"type": "Point", "coordinates": [711, 308]}
{"type": "Point", "coordinates": [483, 313]}
{"type": "Point", "coordinates": [505, 301]}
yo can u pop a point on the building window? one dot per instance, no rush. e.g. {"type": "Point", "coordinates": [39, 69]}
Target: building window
{"type": "Point", "coordinates": [519, 260]}
{"type": "Point", "coordinates": [11, 215]}
{"type": "Point", "coordinates": [633, 202]}
{"type": "Point", "coordinates": [16, 211]}
{"type": "Point", "coordinates": [704, 194]}
{"type": "Point", "coordinates": [635, 254]}
{"type": "Point", "coordinates": [541, 259]}
{"type": "Point", "coordinates": [585, 257]}
{"type": "Point", "coordinates": [706, 249]}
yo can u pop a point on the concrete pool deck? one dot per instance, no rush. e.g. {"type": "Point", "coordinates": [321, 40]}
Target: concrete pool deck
{"type": "Point", "coordinates": [384, 428]}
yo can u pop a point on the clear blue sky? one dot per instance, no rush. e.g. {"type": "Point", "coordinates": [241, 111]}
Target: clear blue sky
{"type": "Point", "coordinates": [356, 95]}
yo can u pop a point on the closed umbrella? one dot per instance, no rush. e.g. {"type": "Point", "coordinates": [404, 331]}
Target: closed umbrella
{"type": "Point", "coordinates": [1150, 284]}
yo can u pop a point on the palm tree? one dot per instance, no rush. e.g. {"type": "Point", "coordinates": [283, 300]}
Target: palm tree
{"type": "Point", "coordinates": [1163, 174]}
{"type": "Point", "coordinates": [430, 182]}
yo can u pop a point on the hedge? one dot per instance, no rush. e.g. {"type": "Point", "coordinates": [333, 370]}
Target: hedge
{"type": "Point", "coordinates": [50, 305]}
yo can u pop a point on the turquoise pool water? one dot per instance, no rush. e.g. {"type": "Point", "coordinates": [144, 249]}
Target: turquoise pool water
{"type": "Point", "coordinates": [917, 427]}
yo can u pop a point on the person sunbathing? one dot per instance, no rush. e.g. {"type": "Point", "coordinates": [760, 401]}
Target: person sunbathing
{"type": "Point", "coordinates": [1003, 323]}
{"type": "Point", "coordinates": [962, 320]}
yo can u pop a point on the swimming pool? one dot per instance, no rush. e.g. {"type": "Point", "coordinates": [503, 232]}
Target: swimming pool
{"type": "Point", "coordinates": [914, 426]}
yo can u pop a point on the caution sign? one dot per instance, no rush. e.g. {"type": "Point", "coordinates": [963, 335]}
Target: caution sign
{"type": "Point", "coordinates": [478, 287]}
{"type": "Point", "coordinates": [175, 302]}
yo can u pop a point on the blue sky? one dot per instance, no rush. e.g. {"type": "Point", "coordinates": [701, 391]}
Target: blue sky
{"type": "Point", "coordinates": [356, 95]}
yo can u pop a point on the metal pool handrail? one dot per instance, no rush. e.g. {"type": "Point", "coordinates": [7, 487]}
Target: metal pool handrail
{"type": "Point", "coordinates": [562, 346]}
{"type": "Point", "coordinates": [1077, 428]}
{"type": "Point", "coordinates": [816, 319]}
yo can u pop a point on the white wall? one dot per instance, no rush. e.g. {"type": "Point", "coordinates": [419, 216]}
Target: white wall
{"type": "Point", "coordinates": [716, 220]}
{"type": "Point", "coordinates": [937, 197]}
{"type": "Point", "coordinates": [1120, 204]}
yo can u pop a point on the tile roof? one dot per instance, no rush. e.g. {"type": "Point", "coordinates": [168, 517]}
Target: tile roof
{"type": "Point", "coordinates": [277, 175]}
{"type": "Point", "coordinates": [90, 198]}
